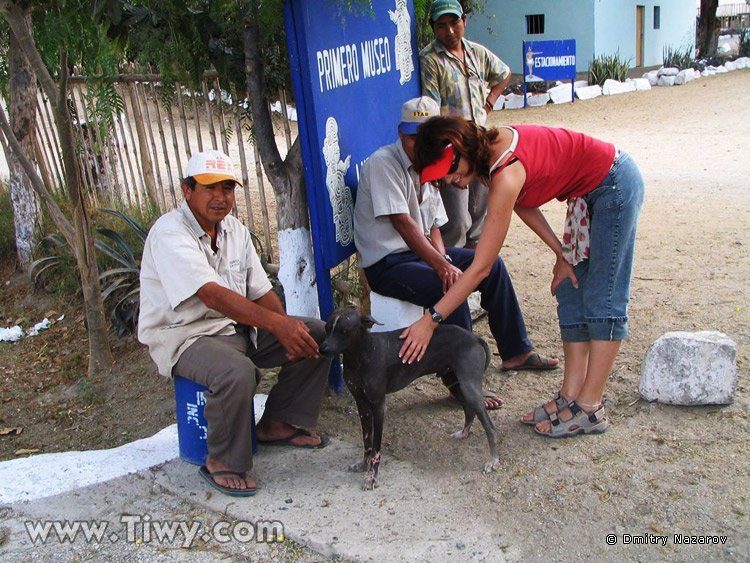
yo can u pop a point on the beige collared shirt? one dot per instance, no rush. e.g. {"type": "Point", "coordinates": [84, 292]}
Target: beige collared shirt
{"type": "Point", "coordinates": [177, 261]}
{"type": "Point", "coordinates": [389, 185]}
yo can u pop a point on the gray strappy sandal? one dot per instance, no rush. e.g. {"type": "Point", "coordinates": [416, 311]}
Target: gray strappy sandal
{"type": "Point", "coordinates": [540, 412]}
{"type": "Point", "coordinates": [580, 423]}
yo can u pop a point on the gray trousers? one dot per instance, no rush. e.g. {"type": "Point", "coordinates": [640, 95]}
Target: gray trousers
{"type": "Point", "coordinates": [466, 210]}
{"type": "Point", "coordinates": [228, 366]}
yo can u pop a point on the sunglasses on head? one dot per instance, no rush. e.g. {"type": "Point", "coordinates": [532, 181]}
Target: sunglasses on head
{"type": "Point", "coordinates": [454, 163]}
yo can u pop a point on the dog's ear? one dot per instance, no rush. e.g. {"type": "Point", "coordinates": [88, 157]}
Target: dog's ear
{"type": "Point", "coordinates": [367, 321]}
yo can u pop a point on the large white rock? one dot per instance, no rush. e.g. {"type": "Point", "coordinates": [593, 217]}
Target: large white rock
{"type": "Point", "coordinates": [538, 100]}
{"type": "Point", "coordinates": [652, 76]}
{"type": "Point", "coordinates": [513, 101]}
{"type": "Point", "coordinates": [612, 87]}
{"type": "Point", "coordinates": [628, 87]}
{"type": "Point", "coordinates": [666, 80]}
{"type": "Point", "coordinates": [721, 69]}
{"type": "Point", "coordinates": [742, 62]}
{"type": "Point", "coordinates": [580, 84]}
{"type": "Point", "coordinates": [669, 71]}
{"type": "Point", "coordinates": [730, 65]}
{"type": "Point", "coordinates": [690, 368]}
{"type": "Point", "coordinates": [640, 83]}
{"type": "Point", "coordinates": [683, 77]}
{"type": "Point", "coordinates": [499, 103]}
{"type": "Point", "coordinates": [589, 92]}
{"type": "Point", "coordinates": [561, 94]}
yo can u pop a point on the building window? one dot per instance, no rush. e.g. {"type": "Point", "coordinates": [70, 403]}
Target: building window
{"type": "Point", "coordinates": [535, 24]}
{"type": "Point", "coordinates": [657, 17]}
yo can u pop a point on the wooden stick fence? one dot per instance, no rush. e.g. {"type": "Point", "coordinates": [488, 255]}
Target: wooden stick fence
{"type": "Point", "coordinates": [139, 156]}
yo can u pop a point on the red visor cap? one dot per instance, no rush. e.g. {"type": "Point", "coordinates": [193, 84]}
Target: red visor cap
{"type": "Point", "coordinates": [439, 169]}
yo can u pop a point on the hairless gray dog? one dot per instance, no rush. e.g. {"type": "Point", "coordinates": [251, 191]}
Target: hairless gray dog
{"type": "Point", "coordinates": [372, 369]}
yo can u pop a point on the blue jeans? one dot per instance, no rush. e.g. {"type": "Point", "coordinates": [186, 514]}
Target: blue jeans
{"type": "Point", "coordinates": [598, 309]}
{"type": "Point", "coordinates": [407, 277]}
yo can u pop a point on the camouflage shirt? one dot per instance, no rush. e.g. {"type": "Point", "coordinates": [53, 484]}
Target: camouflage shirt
{"type": "Point", "coordinates": [461, 89]}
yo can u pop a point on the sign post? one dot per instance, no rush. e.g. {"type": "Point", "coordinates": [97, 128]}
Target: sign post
{"type": "Point", "coordinates": [549, 60]}
{"type": "Point", "coordinates": [351, 72]}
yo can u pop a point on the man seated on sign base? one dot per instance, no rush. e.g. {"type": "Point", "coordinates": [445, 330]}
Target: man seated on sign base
{"type": "Point", "coordinates": [397, 224]}
{"type": "Point", "coordinates": [208, 314]}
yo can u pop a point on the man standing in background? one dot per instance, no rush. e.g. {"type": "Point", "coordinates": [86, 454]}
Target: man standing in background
{"type": "Point", "coordinates": [457, 73]}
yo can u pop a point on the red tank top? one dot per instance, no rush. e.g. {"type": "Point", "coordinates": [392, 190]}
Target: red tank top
{"type": "Point", "coordinates": [559, 163]}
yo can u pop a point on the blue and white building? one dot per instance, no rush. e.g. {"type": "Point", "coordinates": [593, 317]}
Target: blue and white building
{"type": "Point", "coordinates": [638, 29]}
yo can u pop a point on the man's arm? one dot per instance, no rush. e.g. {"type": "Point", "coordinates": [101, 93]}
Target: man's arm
{"type": "Point", "coordinates": [496, 74]}
{"type": "Point", "coordinates": [428, 74]}
{"type": "Point", "coordinates": [495, 92]}
{"type": "Point", "coordinates": [421, 246]}
{"type": "Point", "coordinates": [436, 238]}
{"type": "Point", "coordinates": [266, 313]}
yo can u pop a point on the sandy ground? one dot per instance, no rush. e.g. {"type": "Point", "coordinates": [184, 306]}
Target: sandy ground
{"type": "Point", "coordinates": [659, 470]}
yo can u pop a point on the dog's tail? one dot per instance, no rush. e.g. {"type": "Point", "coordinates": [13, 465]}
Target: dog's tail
{"type": "Point", "coordinates": [487, 353]}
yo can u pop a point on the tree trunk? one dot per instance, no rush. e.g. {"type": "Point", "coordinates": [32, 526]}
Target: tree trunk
{"type": "Point", "coordinates": [297, 269]}
{"type": "Point", "coordinates": [100, 353]}
{"type": "Point", "coordinates": [79, 237]}
{"type": "Point", "coordinates": [27, 213]}
{"type": "Point", "coordinates": [707, 37]}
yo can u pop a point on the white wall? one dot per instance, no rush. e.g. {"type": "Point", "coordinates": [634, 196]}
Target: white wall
{"type": "Point", "coordinates": [677, 28]}
{"type": "Point", "coordinates": [598, 26]}
{"type": "Point", "coordinates": [507, 18]}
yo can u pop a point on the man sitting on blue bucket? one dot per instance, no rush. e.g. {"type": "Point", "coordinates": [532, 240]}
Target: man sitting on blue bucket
{"type": "Point", "coordinates": [208, 314]}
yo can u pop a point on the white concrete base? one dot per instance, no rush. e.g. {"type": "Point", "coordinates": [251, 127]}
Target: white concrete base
{"type": "Point", "coordinates": [41, 476]}
{"type": "Point", "coordinates": [392, 313]}
{"type": "Point", "coordinates": [45, 475]}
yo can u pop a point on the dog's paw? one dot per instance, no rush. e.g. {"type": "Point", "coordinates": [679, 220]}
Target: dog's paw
{"type": "Point", "coordinates": [460, 435]}
{"type": "Point", "coordinates": [491, 465]}
{"type": "Point", "coordinates": [369, 484]}
{"type": "Point", "coordinates": [358, 467]}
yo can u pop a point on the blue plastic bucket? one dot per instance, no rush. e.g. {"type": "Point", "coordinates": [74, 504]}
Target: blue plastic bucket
{"type": "Point", "coordinates": [192, 429]}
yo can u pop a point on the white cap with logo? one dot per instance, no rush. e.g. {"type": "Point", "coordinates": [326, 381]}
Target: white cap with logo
{"type": "Point", "coordinates": [415, 112]}
{"type": "Point", "coordinates": [209, 167]}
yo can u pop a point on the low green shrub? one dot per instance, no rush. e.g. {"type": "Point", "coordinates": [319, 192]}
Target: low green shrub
{"type": "Point", "coordinates": [605, 67]}
{"type": "Point", "coordinates": [677, 58]}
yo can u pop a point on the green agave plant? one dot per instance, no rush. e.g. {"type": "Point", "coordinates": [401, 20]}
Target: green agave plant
{"type": "Point", "coordinates": [120, 284]}
{"type": "Point", "coordinates": [605, 67]}
{"type": "Point", "coordinates": [677, 58]}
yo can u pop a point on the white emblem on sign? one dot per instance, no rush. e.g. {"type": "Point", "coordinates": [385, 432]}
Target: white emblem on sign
{"type": "Point", "coordinates": [404, 63]}
{"type": "Point", "coordinates": [338, 192]}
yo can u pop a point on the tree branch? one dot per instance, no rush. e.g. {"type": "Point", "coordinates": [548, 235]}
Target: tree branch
{"type": "Point", "coordinates": [17, 21]}
{"type": "Point", "coordinates": [256, 88]}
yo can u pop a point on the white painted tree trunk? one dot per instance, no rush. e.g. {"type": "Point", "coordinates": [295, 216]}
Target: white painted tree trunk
{"type": "Point", "coordinates": [27, 213]}
{"type": "Point", "coordinates": [297, 273]}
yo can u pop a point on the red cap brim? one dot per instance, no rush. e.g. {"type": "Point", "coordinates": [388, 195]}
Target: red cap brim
{"type": "Point", "coordinates": [439, 169]}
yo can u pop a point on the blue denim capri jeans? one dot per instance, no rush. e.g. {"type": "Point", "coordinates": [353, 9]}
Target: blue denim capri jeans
{"type": "Point", "coordinates": [598, 308]}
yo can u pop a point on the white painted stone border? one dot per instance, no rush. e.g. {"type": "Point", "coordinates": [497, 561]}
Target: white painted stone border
{"type": "Point", "coordinates": [659, 77]}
